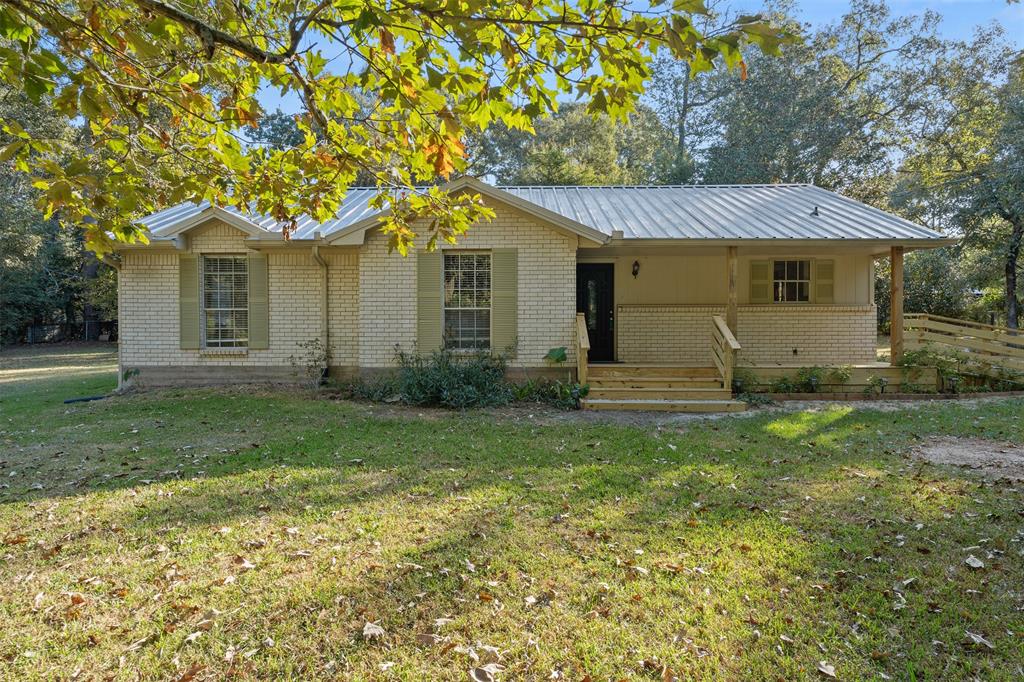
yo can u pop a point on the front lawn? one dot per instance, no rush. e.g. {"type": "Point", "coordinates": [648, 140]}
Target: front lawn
{"type": "Point", "coordinates": [204, 534]}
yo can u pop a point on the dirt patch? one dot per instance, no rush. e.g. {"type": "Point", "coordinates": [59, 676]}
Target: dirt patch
{"type": "Point", "coordinates": [990, 458]}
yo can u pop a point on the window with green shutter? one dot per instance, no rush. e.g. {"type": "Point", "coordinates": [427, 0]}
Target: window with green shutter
{"type": "Point", "coordinates": [428, 301]}
{"type": "Point", "coordinates": [504, 300]}
{"type": "Point", "coordinates": [467, 300]}
{"type": "Point", "coordinates": [188, 302]}
{"type": "Point", "coordinates": [792, 280]}
{"type": "Point", "coordinates": [225, 318]}
{"type": "Point", "coordinates": [761, 281]}
{"type": "Point", "coordinates": [824, 281]}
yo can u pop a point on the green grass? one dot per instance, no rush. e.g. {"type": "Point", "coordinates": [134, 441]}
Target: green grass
{"type": "Point", "coordinates": [589, 549]}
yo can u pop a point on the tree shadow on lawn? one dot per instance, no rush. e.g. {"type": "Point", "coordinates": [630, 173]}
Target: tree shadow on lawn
{"type": "Point", "coordinates": [735, 538]}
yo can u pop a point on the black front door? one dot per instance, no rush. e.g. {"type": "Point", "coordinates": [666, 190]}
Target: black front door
{"type": "Point", "coordinates": [595, 299]}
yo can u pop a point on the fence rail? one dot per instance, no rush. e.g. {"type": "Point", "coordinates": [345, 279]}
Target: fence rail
{"type": "Point", "coordinates": [981, 344]}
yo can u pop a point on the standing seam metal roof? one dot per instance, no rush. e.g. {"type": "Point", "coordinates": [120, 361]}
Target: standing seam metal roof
{"type": "Point", "coordinates": [648, 212]}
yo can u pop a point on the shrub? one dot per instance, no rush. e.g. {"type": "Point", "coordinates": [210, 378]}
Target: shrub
{"type": "Point", "coordinates": [876, 385]}
{"type": "Point", "coordinates": [783, 384]}
{"type": "Point", "coordinates": [840, 375]}
{"type": "Point", "coordinates": [447, 379]}
{"type": "Point", "coordinates": [565, 395]}
{"type": "Point", "coordinates": [743, 381]}
{"type": "Point", "coordinates": [809, 379]}
{"type": "Point", "coordinates": [756, 399]}
{"type": "Point", "coordinates": [313, 361]}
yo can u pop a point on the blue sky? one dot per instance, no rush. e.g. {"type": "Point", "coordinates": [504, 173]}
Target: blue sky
{"type": "Point", "coordinates": [959, 19]}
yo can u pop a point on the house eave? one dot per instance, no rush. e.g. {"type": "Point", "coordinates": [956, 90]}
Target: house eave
{"type": "Point", "coordinates": [859, 244]}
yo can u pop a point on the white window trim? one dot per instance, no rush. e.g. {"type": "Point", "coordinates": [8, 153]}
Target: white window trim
{"type": "Point", "coordinates": [205, 348]}
{"type": "Point", "coordinates": [445, 308]}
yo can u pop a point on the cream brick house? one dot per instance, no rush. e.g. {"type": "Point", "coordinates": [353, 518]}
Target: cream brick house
{"type": "Point", "coordinates": [700, 277]}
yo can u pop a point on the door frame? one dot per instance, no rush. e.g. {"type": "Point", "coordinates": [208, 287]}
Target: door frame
{"type": "Point", "coordinates": [612, 263]}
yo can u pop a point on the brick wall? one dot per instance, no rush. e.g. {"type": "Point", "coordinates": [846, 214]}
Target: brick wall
{"type": "Point", "coordinates": [148, 305]}
{"type": "Point", "coordinates": [820, 334]}
{"type": "Point", "coordinates": [547, 290]}
{"type": "Point", "coordinates": [372, 299]}
{"type": "Point", "coordinates": [343, 308]}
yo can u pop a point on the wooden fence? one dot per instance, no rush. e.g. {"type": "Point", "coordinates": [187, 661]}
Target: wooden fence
{"type": "Point", "coordinates": [983, 345]}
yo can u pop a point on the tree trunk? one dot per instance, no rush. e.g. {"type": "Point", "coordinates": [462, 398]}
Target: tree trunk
{"type": "Point", "coordinates": [1012, 258]}
{"type": "Point", "coordinates": [90, 320]}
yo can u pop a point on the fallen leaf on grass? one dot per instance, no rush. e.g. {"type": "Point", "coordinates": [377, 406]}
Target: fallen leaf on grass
{"type": "Point", "coordinates": [15, 539]}
{"type": "Point", "coordinates": [243, 563]}
{"type": "Point", "coordinates": [372, 631]}
{"type": "Point", "coordinates": [826, 669]}
{"type": "Point", "coordinates": [428, 638]}
{"type": "Point", "coordinates": [978, 640]}
{"type": "Point", "coordinates": [485, 673]}
{"type": "Point", "coordinates": [190, 674]}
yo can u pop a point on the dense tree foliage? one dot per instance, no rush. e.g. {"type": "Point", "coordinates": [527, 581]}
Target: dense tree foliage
{"type": "Point", "coordinates": [575, 148]}
{"type": "Point", "coordinates": [169, 88]}
{"type": "Point", "coordinates": [46, 275]}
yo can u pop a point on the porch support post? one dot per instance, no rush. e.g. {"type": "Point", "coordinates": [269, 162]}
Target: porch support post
{"type": "Point", "coordinates": [731, 315]}
{"type": "Point", "coordinates": [896, 305]}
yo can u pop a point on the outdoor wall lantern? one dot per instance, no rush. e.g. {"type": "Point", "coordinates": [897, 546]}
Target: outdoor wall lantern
{"type": "Point", "coordinates": [636, 268]}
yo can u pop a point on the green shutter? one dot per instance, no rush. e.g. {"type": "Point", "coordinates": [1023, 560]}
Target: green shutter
{"type": "Point", "coordinates": [259, 302]}
{"type": "Point", "coordinates": [824, 281]}
{"type": "Point", "coordinates": [428, 301]}
{"type": "Point", "coordinates": [504, 299]}
{"type": "Point", "coordinates": [761, 281]}
{"type": "Point", "coordinates": [188, 301]}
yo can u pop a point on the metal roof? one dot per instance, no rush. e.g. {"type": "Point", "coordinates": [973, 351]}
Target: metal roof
{"type": "Point", "coordinates": [764, 212]}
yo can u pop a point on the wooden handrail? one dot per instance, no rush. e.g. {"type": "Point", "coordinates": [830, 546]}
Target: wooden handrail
{"type": "Point", "coordinates": [723, 349]}
{"type": "Point", "coordinates": [726, 332]}
{"type": "Point", "coordinates": [582, 348]}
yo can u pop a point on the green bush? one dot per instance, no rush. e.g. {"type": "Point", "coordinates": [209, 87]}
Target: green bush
{"type": "Point", "coordinates": [784, 384]}
{"type": "Point", "coordinates": [565, 395]}
{"type": "Point", "coordinates": [447, 379]}
{"type": "Point", "coordinates": [743, 381]}
{"type": "Point", "coordinates": [809, 379]}
{"type": "Point", "coordinates": [840, 375]}
{"type": "Point", "coordinates": [460, 381]}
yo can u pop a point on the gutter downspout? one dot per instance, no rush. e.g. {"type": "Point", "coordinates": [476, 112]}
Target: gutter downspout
{"type": "Point", "coordinates": [325, 331]}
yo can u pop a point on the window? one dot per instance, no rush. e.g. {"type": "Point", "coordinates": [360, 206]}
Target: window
{"type": "Point", "coordinates": [225, 301]}
{"type": "Point", "coordinates": [791, 281]}
{"type": "Point", "coordinates": [467, 301]}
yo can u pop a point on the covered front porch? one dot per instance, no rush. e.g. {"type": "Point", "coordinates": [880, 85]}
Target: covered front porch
{"type": "Point", "coordinates": [673, 318]}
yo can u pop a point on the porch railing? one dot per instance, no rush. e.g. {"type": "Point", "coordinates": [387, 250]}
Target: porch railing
{"type": "Point", "coordinates": [724, 347]}
{"type": "Point", "coordinates": [582, 348]}
{"type": "Point", "coordinates": [984, 344]}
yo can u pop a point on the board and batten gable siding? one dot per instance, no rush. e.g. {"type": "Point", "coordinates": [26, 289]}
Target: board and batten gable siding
{"type": "Point", "coordinates": [546, 289]}
{"type": "Point", "coordinates": [149, 306]}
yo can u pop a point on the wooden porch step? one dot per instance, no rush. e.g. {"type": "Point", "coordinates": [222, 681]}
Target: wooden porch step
{"type": "Point", "coordinates": [648, 370]}
{"type": "Point", "coordinates": [695, 406]}
{"type": "Point", "coordinates": [659, 393]}
{"type": "Point", "coordinates": [654, 382]}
